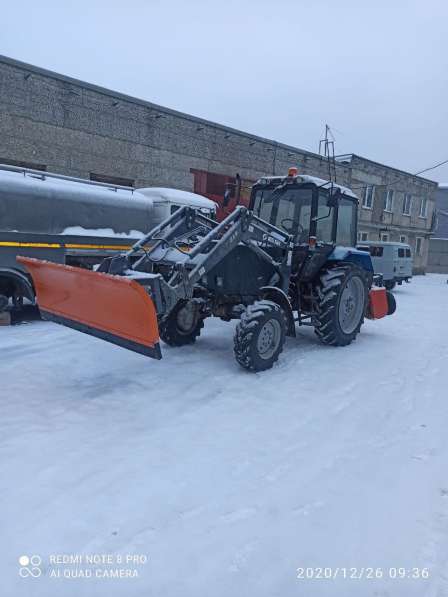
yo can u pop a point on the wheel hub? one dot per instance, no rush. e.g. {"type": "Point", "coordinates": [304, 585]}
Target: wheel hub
{"type": "Point", "coordinates": [351, 305]}
{"type": "Point", "coordinates": [268, 339]}
{"type": "Point", "coordinates": [186, 317]}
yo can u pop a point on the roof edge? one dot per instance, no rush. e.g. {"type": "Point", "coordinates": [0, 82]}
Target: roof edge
{"type": "Point", "coordinates": [360, 157]}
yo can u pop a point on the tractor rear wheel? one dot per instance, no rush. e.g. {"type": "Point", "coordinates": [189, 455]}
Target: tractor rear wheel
{"type": "Point", "coordinates": [182, 326]}
{"type": "Point", "coordinates": [342, 298]}
{"type": "Point", "coordinates": [260, 335]}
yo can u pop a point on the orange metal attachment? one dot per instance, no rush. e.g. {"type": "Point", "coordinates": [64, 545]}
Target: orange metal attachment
{"type": "Point", "coordinates": [292, 171]}
{"type": "Point", "coordinates": [114, 308]}
{"type": "Point", "coordinates": [377, 307]}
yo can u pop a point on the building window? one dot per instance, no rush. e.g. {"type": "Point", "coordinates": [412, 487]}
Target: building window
{"type": "Point", "coordinates": [363, 236]}
{"type": "Point", "coordinates": [403, 239]}
{"type": "Point", "coordinates": [384, 237]}
{"type": "Point", "coordinates": [114, 180]}
{"type": "Point", "coordinates": [407, 204]}
{"type": "Point", "coordinates": [418, 245]}
{"type": "Point", "coordinates": [424, 207]}
{"type": "Point", "coordinates": [369, 194]}
{"type": "Point", "coordinates": [22, 164]}
{"type": "Point", "coordinates": [389, 201]}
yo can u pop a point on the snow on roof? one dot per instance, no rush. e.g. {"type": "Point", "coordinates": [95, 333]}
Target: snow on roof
{"type": "Point", "coordinates": [320, 182]}
{"type": "Point", "coordinates": [159, 194]}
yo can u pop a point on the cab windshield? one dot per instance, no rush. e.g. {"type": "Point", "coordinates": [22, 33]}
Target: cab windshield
{"type": "Point", "coordinates": [288, 209]}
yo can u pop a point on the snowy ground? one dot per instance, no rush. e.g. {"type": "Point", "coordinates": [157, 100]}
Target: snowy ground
{"type": "Point", "coordinates": [228, 481]}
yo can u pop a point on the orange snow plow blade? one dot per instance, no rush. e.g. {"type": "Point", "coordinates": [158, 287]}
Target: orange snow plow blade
{"type": "Point", "coordinates": [113, 308]}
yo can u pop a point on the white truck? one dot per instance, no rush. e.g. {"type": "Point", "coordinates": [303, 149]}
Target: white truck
{"type": "Point", "coordinates": [392, 260]}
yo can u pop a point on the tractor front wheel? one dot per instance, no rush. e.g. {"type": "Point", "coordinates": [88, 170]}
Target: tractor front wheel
{"type": "Point", "coordinates": [342, 293]}
{"type": "Point", "coordinates": [260, 335]}
{"type": "Point", "coordinates": [182, 326]}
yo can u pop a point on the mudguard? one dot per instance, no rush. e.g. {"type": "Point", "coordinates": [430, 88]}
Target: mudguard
{"type": "Point", "coordinates": [114, 308]}
{"type": "Point", "coordinates": [361, 258]}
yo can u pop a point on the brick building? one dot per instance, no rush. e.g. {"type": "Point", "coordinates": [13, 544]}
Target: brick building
{"type": "Point", "coordinates": [53, 122]}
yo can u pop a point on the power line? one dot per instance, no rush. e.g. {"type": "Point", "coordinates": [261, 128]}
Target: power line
{"type": "Point", "coordinates": [432, 167]}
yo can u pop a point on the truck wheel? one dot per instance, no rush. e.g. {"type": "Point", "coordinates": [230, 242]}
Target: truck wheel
{"type": "Point", "coordinates": [342, 299]}
{"type": "Point", "coordinates": [260, 335]}
{"type": "Point", "coordinates": [389, 285]}
{"type": "Point", "coordinates": [182, 326]}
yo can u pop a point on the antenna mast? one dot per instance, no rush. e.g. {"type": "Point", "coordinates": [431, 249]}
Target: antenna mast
{"type": "Point", "coordinates": [326, 151]}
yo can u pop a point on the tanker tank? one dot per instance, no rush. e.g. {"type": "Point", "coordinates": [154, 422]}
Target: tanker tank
{"type": "Point", "coordinates": [35, 202]}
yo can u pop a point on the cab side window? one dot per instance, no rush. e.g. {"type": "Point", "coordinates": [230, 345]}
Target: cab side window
{"type": "Point", "coordinates": [345, 234]}
{"type": "Point", "coordinates": [325, 215]}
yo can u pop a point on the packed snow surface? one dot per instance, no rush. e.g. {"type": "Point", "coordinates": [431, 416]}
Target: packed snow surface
{"type": "Point", "coordinates": [229, 481]}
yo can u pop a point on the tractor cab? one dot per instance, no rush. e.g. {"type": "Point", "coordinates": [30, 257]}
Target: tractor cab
{"type": "Point", "coordinates": [307, 207]}
{"type": "Point", "coordinates": [319, 215]}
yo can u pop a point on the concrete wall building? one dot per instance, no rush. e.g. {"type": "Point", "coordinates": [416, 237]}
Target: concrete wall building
{"type": "Point", "coordinates": [438, 244]}
{"type": "Point", "coordinates": [56, 123]}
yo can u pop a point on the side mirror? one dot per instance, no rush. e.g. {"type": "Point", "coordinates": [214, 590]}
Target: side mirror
{"type": "Point", "coordinates": [227, 195]}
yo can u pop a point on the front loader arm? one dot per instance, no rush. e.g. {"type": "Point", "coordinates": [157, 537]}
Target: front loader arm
{"type": "Point", "coordinates": [241, 226]}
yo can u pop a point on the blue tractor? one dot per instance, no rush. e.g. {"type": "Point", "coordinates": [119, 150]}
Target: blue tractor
{"type": "Point", "coordinates": [289, 259]}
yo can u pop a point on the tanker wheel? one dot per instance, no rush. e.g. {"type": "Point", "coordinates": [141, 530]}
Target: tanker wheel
{"type": "Point", "coordinates": [260, 335]}
{"type": "Point", "coordinates": [342, 298]}
{"type": "Point", "coordinates": [182, 326]}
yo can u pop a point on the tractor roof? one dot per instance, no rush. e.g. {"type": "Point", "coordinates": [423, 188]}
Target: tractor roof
{"type": "Point", "coordinates": [305, 178]}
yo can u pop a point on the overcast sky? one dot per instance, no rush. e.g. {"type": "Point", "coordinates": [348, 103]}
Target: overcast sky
{"type": "Point", "coordinates": [376, 71]}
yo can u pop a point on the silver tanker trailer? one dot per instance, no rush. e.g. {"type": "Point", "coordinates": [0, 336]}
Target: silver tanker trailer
{"type": "Point", "coordinates": [72, 221]}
